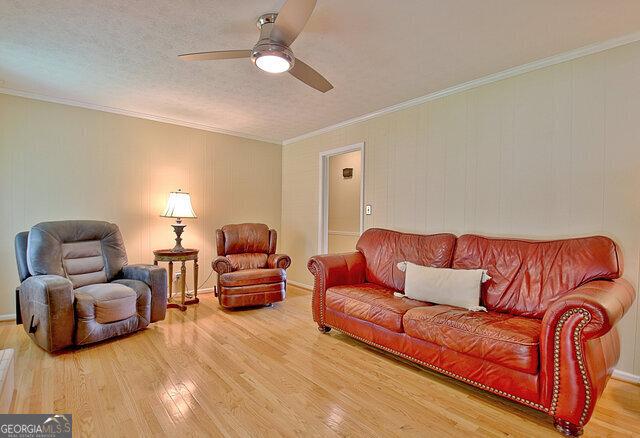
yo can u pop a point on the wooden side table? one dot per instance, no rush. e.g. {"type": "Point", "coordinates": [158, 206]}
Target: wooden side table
{"type": "Point", "coordinates": [167, 255]}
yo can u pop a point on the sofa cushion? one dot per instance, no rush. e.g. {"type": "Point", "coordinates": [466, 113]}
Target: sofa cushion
{"type": "Point", "coordinates": [249, 277]}
{"type": "Point", "coordinates": [383, 249]}
{"type": "Point", "coordinates": [105, 302]}
{"type": "Point", "coordinates": [527, 276]}
{"type": "Point", "coordinates": [511, 341]}
{"type": "Point", "coordinates": [371, 302]}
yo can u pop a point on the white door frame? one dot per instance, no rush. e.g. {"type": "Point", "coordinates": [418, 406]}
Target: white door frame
{"type": "Point", "coordinates": [323, 200]}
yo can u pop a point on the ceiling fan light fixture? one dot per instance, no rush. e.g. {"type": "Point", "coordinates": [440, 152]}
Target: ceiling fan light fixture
{"type": "Point", "coordinates": [272, 64]}
{"type": "Point", "coordinates": [272, 58]}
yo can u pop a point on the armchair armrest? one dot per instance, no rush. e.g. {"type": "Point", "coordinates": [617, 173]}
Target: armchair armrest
{"type": "Point", "coordinates": [278, 261]}
{"type": "Point", "coordinates": [221, 265]}
{"type": "Point", "coordinates": [156, 278]}
{"type": "Point", "coordinates": [46, 307]}
{"type": "Point", "coordinates": [579, 346]}
{"type": "Point", "coordinates": [333, 270]}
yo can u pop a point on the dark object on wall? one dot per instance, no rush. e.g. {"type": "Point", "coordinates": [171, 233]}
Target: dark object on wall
{"type": "Point", "coordinates": [347, 172]}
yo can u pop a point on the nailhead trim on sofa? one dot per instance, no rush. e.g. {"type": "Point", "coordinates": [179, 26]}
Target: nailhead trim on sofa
{"type": "Point", "coordinates": [586, 317]}
{"type": "Point", "coordinates": [448, 373]}
{"type": "Point", "coordinates": [318, 275]}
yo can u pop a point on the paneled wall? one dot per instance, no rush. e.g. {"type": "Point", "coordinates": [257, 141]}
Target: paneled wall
{"type": "Point", "coordinates": [551, 153]}
{"type": "Point", "coordinates": [62, 162]}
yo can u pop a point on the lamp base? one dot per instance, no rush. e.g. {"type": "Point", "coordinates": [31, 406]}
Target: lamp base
{"type": "Point", "coordinates": [178, 228]}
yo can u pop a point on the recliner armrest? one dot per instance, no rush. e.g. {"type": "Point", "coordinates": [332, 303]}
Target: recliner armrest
{"type": "Point", "coordinates": [282, 261]}
{"type": "Point", "coordinates": [46, 306]}
{"type": "Point", "coordinates": [156, 278]}
{"type": "Point", "coordinates": [221, 265]}
{"type": "Point", "coordinates": [333, 270]}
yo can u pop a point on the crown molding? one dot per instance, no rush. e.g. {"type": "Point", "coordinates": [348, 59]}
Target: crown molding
{"type": "Point", "coordinates": [505, 74]}
{"type": "Point", "coordinates": [130, 113]}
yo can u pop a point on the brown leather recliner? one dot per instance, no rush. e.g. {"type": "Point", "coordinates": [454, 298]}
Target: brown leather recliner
{"type": "Point", "coordinates": [250, 273]}
{"type": "Point", "coordinates": [77, 287]}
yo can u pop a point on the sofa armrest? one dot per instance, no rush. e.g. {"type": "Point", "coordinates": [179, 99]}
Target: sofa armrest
{"type": "Point", "coordinates": [333, 270]}
{"type": "Point", "coordinates": [606, 301]}
{"type": "Point", "coordinates": [46, 307]}
{"type": "Point", "coordinates": [278, 261]}
{"type": "Point", "coordinates": [579, 346]}
{"type": "Point", "coordinates": [156, 278]}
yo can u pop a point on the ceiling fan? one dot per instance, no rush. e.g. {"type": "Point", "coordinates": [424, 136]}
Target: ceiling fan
{"type": "Point", "coordinates": [272, 53]}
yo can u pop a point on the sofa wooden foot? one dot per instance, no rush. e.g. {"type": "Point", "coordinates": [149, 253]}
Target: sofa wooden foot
{"type": "Point", "coordinates": [324, 329]}
{"type": "Point", "coordinates": [567, 428]}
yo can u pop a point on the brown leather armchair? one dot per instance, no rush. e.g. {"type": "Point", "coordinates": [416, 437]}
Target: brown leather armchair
{"type": "Point", "coordinates": [250, 273]}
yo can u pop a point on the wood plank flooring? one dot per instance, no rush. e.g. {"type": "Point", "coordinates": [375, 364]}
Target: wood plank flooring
{"type": "Point", "coordinates": [269, 372]}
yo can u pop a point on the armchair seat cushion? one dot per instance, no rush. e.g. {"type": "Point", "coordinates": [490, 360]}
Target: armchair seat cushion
{"type": "Point", "coordinates": [500, 338]}
{"type": "Point", "coordinates": [371, 302]}
{"type": "Point", "coordinates": [250, 277]}
{"type": "Point", "coordinates": [105, 302]}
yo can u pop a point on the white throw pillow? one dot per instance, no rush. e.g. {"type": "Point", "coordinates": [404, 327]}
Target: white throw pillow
{"type": "Point", "coordinates": [455, 287]}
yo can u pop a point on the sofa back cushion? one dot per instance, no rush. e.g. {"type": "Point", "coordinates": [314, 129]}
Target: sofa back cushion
{"type": "Point", "coordinates": [243, 238]}
{"type": "Point", "coordinates": [383, 249]}
{"type": "Point", "coordinates": [86, 252]}
{"type": "Point", "coordinates": [527, 276]}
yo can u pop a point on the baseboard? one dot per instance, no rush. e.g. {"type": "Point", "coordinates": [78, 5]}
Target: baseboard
{"type": "Point", "coordinates": [626, 377]}
{"type": "Point", "coordinates": [8, 317]}
{"type": "Point", "coordinates": [300, 285]}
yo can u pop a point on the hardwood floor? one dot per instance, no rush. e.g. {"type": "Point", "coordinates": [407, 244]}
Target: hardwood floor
{"type": "Point", "coordinates": [268, 371]}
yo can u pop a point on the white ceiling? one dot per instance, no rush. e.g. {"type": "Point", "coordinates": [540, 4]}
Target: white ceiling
{"type": "Point", "coordinates": [122, 53]}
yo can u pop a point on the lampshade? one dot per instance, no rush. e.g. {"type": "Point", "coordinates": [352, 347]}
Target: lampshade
{"type": "Point", "coordinates": [179, 205]}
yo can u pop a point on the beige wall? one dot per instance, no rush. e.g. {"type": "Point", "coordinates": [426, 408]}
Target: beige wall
{"type": "Point", "coordinates": [344, 202]}
{"type": "Point", "coordinates": [551, 153]}
{"type": "Point", "coordinates": [61, 162]}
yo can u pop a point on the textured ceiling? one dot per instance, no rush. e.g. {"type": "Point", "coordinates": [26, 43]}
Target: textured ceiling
{"type": "Point", "coordinates": [377, 53]}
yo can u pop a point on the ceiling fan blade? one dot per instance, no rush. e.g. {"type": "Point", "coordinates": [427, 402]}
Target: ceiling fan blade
{"type": "Point", "coordinates": [291, 20]}
{"type": "Point", "coordinates": [220, 54]}
{"type": "Point", "coordinates": [309, 76]}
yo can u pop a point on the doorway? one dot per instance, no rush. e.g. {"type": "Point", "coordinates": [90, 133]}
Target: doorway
{"type": "Point", "coordinates": [341, 218]}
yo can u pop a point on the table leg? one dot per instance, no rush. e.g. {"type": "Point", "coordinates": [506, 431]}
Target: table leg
{"type": "Point", "coordinates": [170, 280]}
{"type": "Point", "coordinates": [195, 298]}
{"type": "Point", "coordinates": [183, 281]}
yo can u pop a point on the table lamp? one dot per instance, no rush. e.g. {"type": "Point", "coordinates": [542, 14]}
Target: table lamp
{"type": "Point", "coordinates": [179, 206]}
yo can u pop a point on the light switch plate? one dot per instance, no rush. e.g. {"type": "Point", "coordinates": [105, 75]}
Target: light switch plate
{"type": "Point", "coordinates": [367, 209]}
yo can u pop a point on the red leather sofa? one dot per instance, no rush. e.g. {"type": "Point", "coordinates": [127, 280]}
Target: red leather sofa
{"type": "Point", "coordinates": [548, 339]}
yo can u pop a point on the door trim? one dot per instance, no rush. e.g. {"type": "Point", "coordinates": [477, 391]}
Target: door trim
{"type": "Point", "coordinates": [323, 195]}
